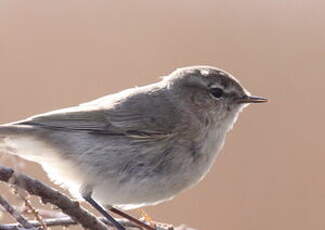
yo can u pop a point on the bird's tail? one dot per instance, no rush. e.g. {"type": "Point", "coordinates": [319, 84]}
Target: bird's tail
{"type": "Point", "coordinates": [20, 140]}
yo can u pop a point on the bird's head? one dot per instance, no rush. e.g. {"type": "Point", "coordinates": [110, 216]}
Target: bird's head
{"type": "Point", "coordinates": [212, 90]}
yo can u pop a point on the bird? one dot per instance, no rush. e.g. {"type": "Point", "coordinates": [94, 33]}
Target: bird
{"type": "Point", "coordinates": [138, 147]}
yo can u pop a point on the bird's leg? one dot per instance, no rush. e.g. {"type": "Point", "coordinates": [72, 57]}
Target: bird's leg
{"type": "Point", "coordinates": [102, 211]}
{"type": "Point", "coordinates": [131, 218]}
{"type": "Point", "coordinates": [86, 193]}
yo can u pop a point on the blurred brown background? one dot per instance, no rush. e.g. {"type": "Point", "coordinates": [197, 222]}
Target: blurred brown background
{"type": "Point", "coordinates": [55, 54]}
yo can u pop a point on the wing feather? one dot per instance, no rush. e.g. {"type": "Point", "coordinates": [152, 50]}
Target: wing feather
{"type": "Point", "coordinates": [113, 117]}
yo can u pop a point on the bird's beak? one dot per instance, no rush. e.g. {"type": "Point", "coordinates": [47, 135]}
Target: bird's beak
{"type": "Point", "coordinates": [251, 99]}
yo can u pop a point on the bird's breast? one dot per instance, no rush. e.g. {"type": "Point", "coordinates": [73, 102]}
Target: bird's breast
{"type": "Point", "coordinates": [207, 148]}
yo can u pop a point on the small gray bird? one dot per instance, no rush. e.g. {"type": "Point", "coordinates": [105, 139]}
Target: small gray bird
{"type": "Point", "coordinates": [138, 147]}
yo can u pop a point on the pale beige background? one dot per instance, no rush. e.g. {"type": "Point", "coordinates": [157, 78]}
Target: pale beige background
{"type": "Point", "coordinates": [59, 53]}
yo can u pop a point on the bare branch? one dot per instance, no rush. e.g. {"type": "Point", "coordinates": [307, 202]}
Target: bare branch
{"type": "Point", "coordinates": [30, 207]}
{"type": "Point", "coordinates": [49, 195]}
{"type": "Point", "coordinates": [67, 221]}
{"type": "Point", "coordinates": [62, 221]}
{"type": "Point", "coordinates": [15, 214]}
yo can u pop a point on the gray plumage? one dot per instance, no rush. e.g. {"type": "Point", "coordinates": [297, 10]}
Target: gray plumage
{"type": "Point", "coordinates": [137, 147]}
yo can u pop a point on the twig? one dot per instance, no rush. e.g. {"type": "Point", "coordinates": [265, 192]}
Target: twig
{"type": "Point", "coordinates": [15, 214]}
{"type": "Point", "coordinates": [62, 221]}
{"type": "Point", "coordinates": [35, 212]}
{"type": "Point", "coordinates": [49, 195]}
{"type": "Point", "coordinates": [67, 221]}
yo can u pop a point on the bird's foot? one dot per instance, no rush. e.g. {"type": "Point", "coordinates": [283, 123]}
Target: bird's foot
{"type": "Point", "coordinates": [146, 218]}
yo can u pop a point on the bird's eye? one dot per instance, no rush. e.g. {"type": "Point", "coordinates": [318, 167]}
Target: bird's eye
{"type": "Point", "coordinates": [217, 92]}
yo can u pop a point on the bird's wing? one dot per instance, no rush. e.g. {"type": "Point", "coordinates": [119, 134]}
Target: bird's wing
{"type": "Point", "coordinates": [69, 119]}
{"type": "Point", "coordinates": [141, 118]}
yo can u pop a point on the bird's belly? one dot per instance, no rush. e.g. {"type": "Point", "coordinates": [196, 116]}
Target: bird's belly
{"type": "Point", "coordinates": [132, 195]}
{"type": "Point", "coordinates": [135, 194]}
{"type": "Point", "coordinates": [151, 190]}
{"type": "Point", "coordinates": [184, 171]}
